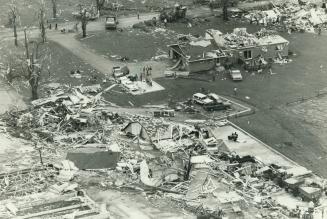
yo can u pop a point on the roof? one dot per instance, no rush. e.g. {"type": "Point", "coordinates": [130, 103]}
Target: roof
{"type": "Point", "coordinates": [194, 51]}
{"type": "Point", "coordinates": [241, 39]}
{"type": "Point", "coordinates": [200, 95]}
{"type": "Point", "coordinates": [273, 39]}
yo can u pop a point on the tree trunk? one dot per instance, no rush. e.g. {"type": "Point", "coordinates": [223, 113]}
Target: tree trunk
{"type": "Point", "coordinates": [84, 29]}
{"type": "Point", "coordinates": [54, 8]}
{"type": "Point", "coordinates": [42, 25]}
{"type": "Point", "coordinates": [84, 22]}
{"type": "Point", "coordinates": [15, 30]}
{"type": "Point", "coordinates": [99, 4]}
{"type": "Point", "coordinates": [26, 45]}
{"type": "Point", "coordinates": [225, 10]}
{"type": "Point", "coordinates": [35, 95]}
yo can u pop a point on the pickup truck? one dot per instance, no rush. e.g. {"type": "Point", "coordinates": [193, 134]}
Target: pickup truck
{"type": "Point", "coordinates": [118, 71]}
{"type": "Point", "coordinates": [236, 75]}
{"type": "Point", "coordinates": [111, 23]}
{"type": "Point", "coordinates": [201, 99]}
{"type": "Point", "coordinates": [217, 106]}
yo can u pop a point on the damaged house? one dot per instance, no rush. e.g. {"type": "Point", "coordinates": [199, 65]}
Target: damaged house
{"type": "Point", "coordinates": [195, 56]}
{"type": "Point", "coordinates": [236, 47]}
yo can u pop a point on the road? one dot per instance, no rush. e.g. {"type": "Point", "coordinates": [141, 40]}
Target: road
{"type": "Point", "coordinates": [102, 64]}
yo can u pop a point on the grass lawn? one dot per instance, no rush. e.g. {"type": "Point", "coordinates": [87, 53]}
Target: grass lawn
{"type": "Point", "coordinates": [132, 43]}
{"type": "Point", "coordinates": [268, 94]}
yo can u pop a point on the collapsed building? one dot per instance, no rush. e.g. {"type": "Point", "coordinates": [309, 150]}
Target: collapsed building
{"type": "Point", "coordinates": [237, 47]}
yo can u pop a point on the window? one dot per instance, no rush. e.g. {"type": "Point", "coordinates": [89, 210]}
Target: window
{"type": "Point", "coordinates": [279, 47]}
{"type": "Point", "coordinates": [247, 54]}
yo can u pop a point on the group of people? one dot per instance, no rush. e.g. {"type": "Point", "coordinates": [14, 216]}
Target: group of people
{"type": "Point", "coordinates": [146, 74]}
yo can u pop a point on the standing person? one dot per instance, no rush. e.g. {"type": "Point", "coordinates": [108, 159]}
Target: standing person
{"type": "Point", "coordinates": [165, 22]}
{"type": "Point", "coordinates": [138, 15]}
{"type": "Point", "coordinates": [56, 27]}
{"type": "Point", "coordinates": [319, 30]}
{"type": "Point", "coordinates": [150, 70]}
{"type": "Point", "coordinates": [235, 91]}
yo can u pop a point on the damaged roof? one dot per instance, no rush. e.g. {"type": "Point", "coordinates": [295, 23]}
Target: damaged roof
{"type": "Point", "coordinates": [199, 50]}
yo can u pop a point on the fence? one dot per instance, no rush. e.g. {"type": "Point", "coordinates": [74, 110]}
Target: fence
{"type": "Point", "coordinates": [302, 99]}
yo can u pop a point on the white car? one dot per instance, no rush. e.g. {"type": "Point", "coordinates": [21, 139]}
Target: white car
{"type": "Point", "coordinates": [236, 75]}
{"type": "Point", "coordinates": [126, 82]}
{"type": "Point", "coordinates": [201, 99]}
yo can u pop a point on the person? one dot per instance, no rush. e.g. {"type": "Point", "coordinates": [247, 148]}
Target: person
{"type": "Point", "coordinates": [165, 22]}
{"type": "Point", "coordinates": [56, 27]}
{"type": "Point", "coordinates": [150, 70]}
{"type": "Point", "coordinates": [235, 91]}
{"type": "Point", "coordinates": [319, 30]}
{"type": "Point", "coordinates": [138, 15]}
{"type": "Point", "coordinates": [213, 77]}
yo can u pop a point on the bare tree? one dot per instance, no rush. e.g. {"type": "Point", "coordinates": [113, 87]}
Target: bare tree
{"type": "Point", "coordinates": [33, 68]}
{"type": "Point", "coordinates": [54, 8]}
{"type": "Point", "coordinates": [84, 18]}
{"type": "Point", "coordinates": [41, 17]}
{"type": "Point", "coordinates": [13, 17]}
{"type": "Point", "coordinates": [100, 4]}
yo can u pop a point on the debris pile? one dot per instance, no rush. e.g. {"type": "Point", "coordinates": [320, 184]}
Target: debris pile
{"type": "Point", "coordinates": [184, 162]}
{"type": "Point", "coordinates": [291, 16]}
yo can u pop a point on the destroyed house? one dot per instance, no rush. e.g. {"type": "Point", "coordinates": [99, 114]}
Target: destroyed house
{"type": "Point", "coordinates": [195, 56]}
{"type": "Point", "coordinates": [136, 129]}
{"type": "Point", "coordinates": [245, 47]}
{"type": "Point", "coordinates": [216, 47]}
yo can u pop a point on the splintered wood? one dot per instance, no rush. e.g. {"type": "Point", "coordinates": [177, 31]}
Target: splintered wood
{"type": "Point", "coordinates": [23, 182]}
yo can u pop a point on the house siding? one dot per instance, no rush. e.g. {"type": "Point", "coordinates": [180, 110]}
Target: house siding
{"type": "Point", "coordinates": [201, 65]}
{"type": "Point", "coordinates": [257, 51]}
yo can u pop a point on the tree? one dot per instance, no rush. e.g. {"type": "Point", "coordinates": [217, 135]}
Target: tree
{"type": "Point", "coordinates": [41, 17]}
{"type": "Point", "coordinates": [33, 68]}
{"type": "Point", "coordinates": [225, 10]}
{"type": "Point", "coordinates": [54, 8]}
{"type": "Point", "coordinates": [13, 16]}
{"type": "Point", "coordinates": [84, 18]}
{"type": "Point", "coordinates": [99, 4]}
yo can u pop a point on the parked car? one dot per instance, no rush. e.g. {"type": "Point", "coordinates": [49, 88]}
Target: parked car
{"type": "Point", "coordinates": [236, 75]}
{"type": "Point", "coordinates": [201, 99]}
{"type": "Point", "coordinates": [128, 84]}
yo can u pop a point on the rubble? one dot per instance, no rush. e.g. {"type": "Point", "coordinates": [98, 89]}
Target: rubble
{"type": "Point", "coordinates": [94, 156]}
{"type": "Point", "coordinates": [150, 154]}
{"type": "Point", "coordinates": [290, 16]}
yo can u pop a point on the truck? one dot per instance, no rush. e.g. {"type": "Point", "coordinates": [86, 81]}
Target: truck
{"type": "Point", "coordinates": [118, 71]}
{"type": "Point", "coordinates": [111, 23]}
{"type": "Point", "coordinates": [217, 106]}
{"type": "Point", "coordinates": [173, 14]}
{"type": "Point", "coordinates": [236, 75]}
{"type": "Point", "coordinates": [201, 99]}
